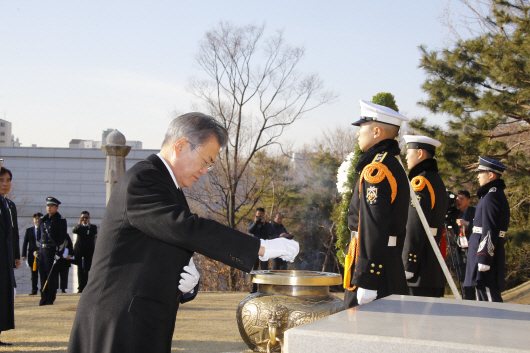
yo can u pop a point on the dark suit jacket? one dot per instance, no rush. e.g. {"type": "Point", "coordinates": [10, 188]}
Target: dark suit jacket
{"type": "Point", "coordinates": [29, 246]}
{"type": "Point", "coordinates": [14, 219]}
{"type": "Point", "coordinates": [7, 276]}
{"type": "Point", "coordinates": [147, 236]}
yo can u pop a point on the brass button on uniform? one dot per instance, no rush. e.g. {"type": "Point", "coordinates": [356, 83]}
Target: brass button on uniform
{"type": "Point", "coordinates": [373, 265]}
{"type": "Point", "coordinates": [380, 266]}
{"type": "Point", "coordinates": [371, 271]}
{"type": "Point", "coordinates": [378, 272]}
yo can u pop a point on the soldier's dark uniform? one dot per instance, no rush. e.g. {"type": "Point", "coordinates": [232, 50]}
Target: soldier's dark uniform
{"type": "Point", "coordinates": [379, 266]}
{"type": "Point", "coordinates": [418, 256]}
{"type": "Point", "coordinates": [486, 244]}
{"type": "Point", "coordinates": [53, 230]}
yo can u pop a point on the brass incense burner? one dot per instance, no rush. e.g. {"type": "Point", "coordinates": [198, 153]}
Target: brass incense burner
{"type": "Point", "coordinates": [285, 299]}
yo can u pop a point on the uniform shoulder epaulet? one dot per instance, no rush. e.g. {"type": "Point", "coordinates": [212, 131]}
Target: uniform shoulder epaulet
{"type": "Point", "coordinates": [418, 184]}
{"type": "Point", "coordinates": [380, 157]}
{"type": "Point", "coordinates": [493, 189]}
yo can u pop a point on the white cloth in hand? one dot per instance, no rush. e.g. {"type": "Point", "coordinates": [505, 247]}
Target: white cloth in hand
{"type": "Point", "coordinates": [409, 275]}
{"type": "Point", "coordinates": [365, 295]}
{"type": "Point", "coordinates": [283, 248]}
{"type": "Point", "coordinates": [189, 278]}
{"type": "Point", "coordinates": [483, 268]}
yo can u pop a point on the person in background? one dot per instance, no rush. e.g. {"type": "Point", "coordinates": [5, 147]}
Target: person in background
{"type": "Point", "coordinates": [29, 251]}
{"type": "Point", "coordinates": [84, 248]}
{"type": "Point", "coordinates": [279, 231]}
{"type": "Point", "coordinates": [486, 257]}
{"type": "Point", "coordinates": [65, 262]}
{"type": "Point", "coordinates": [463, 230]}
{"type": "Point", "coordinates": [52, 229]}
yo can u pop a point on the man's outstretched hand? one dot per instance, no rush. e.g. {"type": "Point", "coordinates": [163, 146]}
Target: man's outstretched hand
{"type": "Point", "coordinates": [283, 248]}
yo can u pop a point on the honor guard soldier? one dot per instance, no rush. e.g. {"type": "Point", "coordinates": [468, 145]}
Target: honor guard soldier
{"type": "Point", "coordinates": [52, 229]}
{"type": "Point", "coordinates": [486, 257]}
{"type": "Point", "coordinates": [378, 210]}
{"type": "Point", "coordinates": [423, 271]}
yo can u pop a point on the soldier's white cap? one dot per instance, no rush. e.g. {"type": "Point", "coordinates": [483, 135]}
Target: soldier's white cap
{"type": "Point", "coordinates": [416, 142]}
{"type": "Point", "coordinates": [379, 113]}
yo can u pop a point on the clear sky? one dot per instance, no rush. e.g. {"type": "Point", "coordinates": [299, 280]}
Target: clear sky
{"type": "Point", "coordinates": [70, 69]}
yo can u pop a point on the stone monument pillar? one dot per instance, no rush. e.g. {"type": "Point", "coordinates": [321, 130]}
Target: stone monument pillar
{"type": "Point", "coordinates": [115, 150]}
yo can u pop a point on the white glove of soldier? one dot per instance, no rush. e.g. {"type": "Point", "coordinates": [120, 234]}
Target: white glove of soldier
{"type": "Point", "coordinates": [189, 278]}
{"type": "Point", "coordinates": [409, 275]}
{"type": "Point", "coordinates": [365, 295]}
{"type": "Point", "coordinates": [483, 268]}
{"type": "Point", "coordinates": [283, 248]}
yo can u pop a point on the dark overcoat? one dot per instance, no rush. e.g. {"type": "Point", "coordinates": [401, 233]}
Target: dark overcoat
{"type": "Point", "coordinates": [7, 276]}
{"type": "Point", "coordinates": [418, 255]}
{"type": "Point", "coordinates": [13, 216]}
{"type": "Point", "coordinates": [487, 246]}
{"type": "Point", "coordinates": [147, 236]}
{"type": "Point", "coordinates": [379, 266]}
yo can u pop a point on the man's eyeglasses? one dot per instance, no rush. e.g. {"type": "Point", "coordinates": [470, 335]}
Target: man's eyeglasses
{"type": "Point", "coordinates": [209, 165]}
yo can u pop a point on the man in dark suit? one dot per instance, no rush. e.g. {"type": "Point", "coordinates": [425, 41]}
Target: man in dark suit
{"type": "Point", "coordinates": [463, 230]}
{"type": "Point", "coordinates": [9, 256]}
{"type": "Point", "coordinates": [84, 248]}
{"type": "Point", "coordinates": [423, 271]}
{"type": "Point", "coordinates": [142, 267]}
{"type": "Point", "coordinates": [30, 249]}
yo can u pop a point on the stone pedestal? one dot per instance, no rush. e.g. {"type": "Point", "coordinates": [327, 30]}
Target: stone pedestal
{"type": "Point", "coordinates": [417, 324]}
{"type": "Point", "coordinates": [116, 151]}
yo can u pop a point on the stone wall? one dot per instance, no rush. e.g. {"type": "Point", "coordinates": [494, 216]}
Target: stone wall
{"type": "Point", "coordinates": [73, 176]}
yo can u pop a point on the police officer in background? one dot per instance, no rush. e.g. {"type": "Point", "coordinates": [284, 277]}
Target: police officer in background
{"type": "Point", "coordinates": [378, 210]}
{"type": "Point", "coordinates": [486, 257]}
{"type": "Point", "coordinates": [423, 271]}
{"type": "Point", "coordinates": [52, 229]}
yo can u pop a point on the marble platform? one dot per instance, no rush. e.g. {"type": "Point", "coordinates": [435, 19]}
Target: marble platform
{"type": "Point", "coordinates": [417, 324]}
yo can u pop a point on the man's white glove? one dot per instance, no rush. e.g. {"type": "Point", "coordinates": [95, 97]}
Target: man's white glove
{"type": "Point", "coordinates": [283, 248]}
{"type": "Point", "coordinates": [190, 278]}
{"type": "Point", "coordinates": [409, 275]}
{"type": "Point", "coordinates": [365, 295]}
{"type": "Point", "coordinates": [483, 268]}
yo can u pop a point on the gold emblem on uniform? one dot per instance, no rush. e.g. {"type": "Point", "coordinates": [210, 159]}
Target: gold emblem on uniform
{"type": "Point", "coordinates": [371, 195]}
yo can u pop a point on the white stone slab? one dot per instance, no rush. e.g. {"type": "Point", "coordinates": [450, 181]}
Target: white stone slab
{"type": "Point", "coordinates": [417, 324]}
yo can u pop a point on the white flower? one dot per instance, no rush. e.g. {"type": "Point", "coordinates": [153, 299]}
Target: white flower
{"type": "Point", "coordinates": [342, 175]}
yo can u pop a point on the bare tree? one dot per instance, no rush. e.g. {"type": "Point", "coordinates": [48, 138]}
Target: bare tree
{"type": "Point", "coordinates": [254, 90]}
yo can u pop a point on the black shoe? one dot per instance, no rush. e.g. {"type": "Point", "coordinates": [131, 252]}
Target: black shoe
{"type": "Point", "coordinates": [5, 344]}
{"type": "Point", "coordinates": [33, 293]}
{"type": "Point", "coordinates": [64, 290]}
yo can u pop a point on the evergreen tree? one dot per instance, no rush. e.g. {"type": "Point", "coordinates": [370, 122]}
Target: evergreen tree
{"type": "Point", "coordinates": [483, 84]}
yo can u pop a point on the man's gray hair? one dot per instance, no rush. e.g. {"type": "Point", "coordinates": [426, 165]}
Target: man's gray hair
{"type": "Point", "coordinates": [197, 128]}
